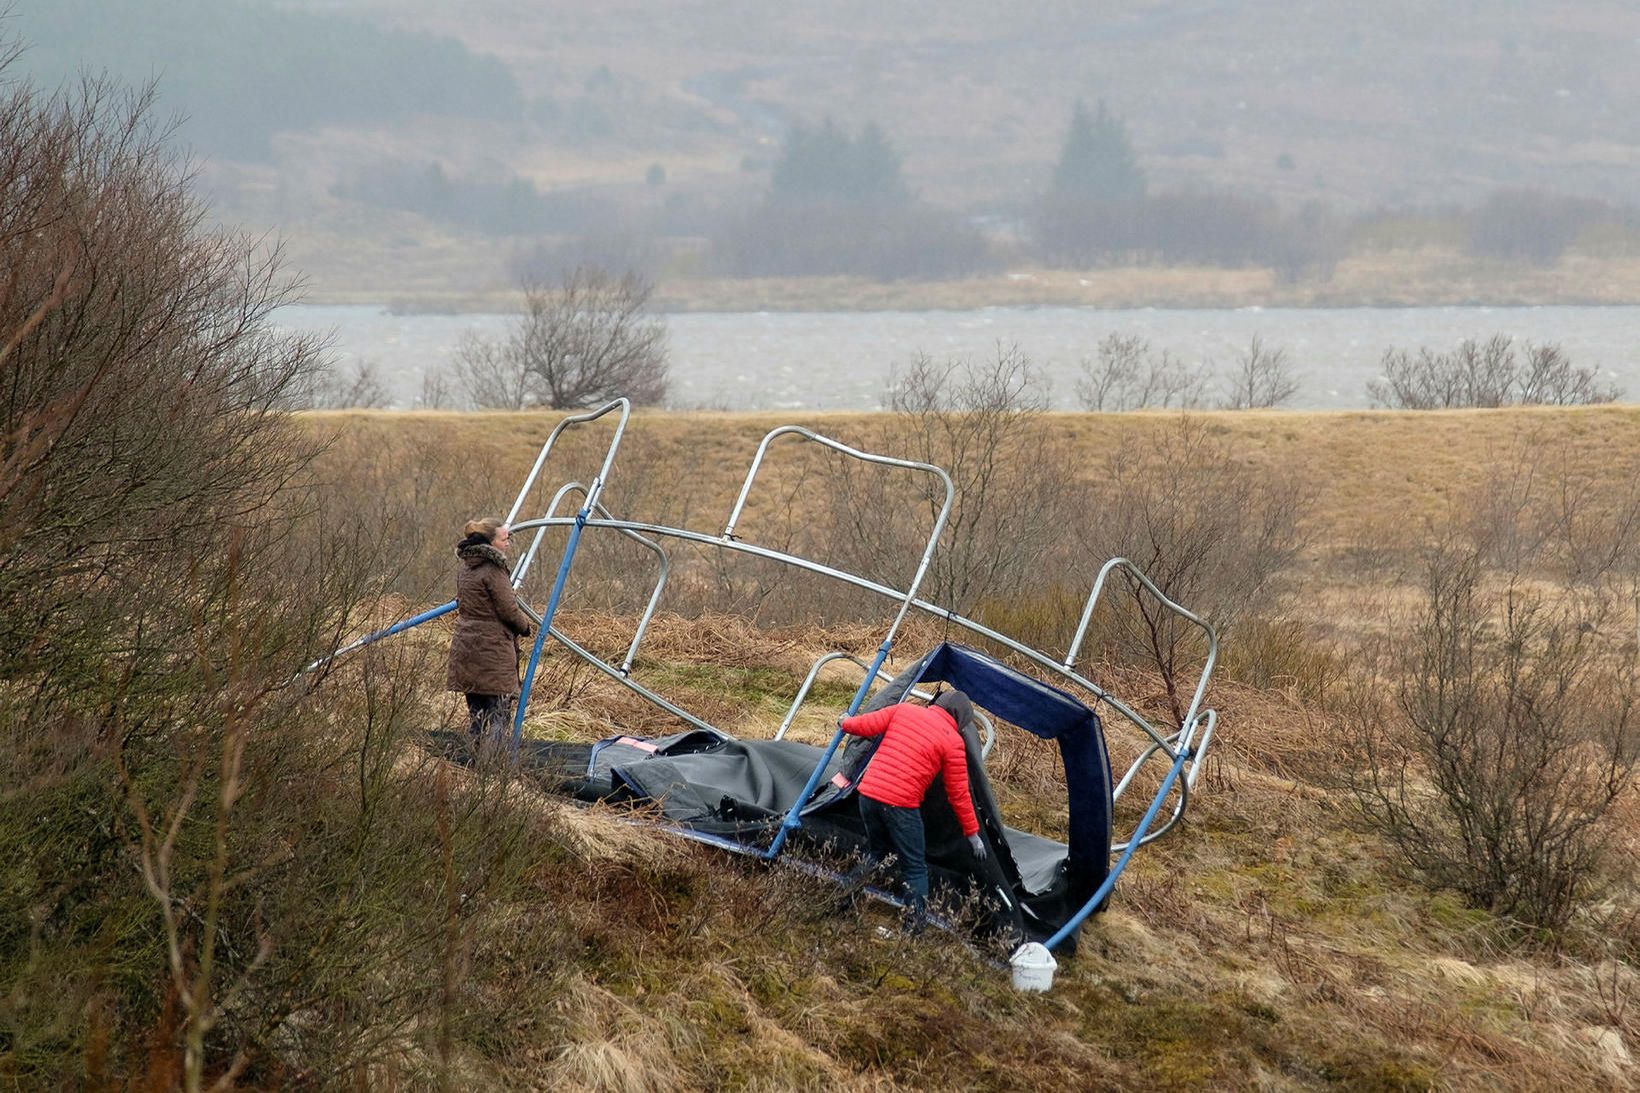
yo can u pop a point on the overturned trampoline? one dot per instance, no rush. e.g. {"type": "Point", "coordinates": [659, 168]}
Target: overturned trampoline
{"type": "Point", "coordinates": [776, 798]}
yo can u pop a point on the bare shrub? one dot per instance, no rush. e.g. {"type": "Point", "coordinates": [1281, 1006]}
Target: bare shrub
{"type": "Point", "coordinates": [214, 874]}
{"type": "Point", "coordinates": [1499, 730]}
{"type": "Point", "coordinates": [360, 388]}
{"type": "Point", "coordinates": [1263, 378]}
{"type": "Point", "coordinates": [1126, 375]}
{"type": "Point", "coordinates": [1213, 532]}
{"type": "Point", "coordinates": [438, 391]}
{"type": "Point", "coordinates": [1486, 374]}
{"type": "Point", "coordinates": [1493, 754]}
{"type": "Point", "coordinates": [983, 423]}
{"type": "Point", "coordinates": [141, 383]}
{"type": "Point", "coordinates": [582, 341]}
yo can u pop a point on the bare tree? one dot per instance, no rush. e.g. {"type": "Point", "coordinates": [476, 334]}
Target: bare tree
{"type": "Point", "coordinates": [582, 341]}
{"type": "Point", "coordinates": [1486, 374]}
{"type": "Point", "coordinates": [983, 423]}
{"type": "Point", "coordinates": [437, 391]}
{"type": "Point", "coordinates": [493, 375]}
{"type": "Point", "coordinates": [336, 389]}
{"type": "Point", "coordinates": [1126, 375]}
{"type": "Point", "coordinates": [1211, 530]}
{"type": "Point", "coordinates": [1262, 379]}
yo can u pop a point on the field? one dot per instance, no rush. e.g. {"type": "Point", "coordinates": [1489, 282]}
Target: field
{"type": "Point", "coordinates": [1269, 943]}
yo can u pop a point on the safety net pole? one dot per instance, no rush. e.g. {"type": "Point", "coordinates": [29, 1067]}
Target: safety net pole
{"type": "Point", "coordinates": [589, 504]}
{"type": "Point", "coordinates": [794, 818]}
{"type": "Point", "coordinates": [1134, 843]}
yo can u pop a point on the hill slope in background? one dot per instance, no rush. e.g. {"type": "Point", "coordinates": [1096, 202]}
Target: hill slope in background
{"type": "Point", "coordinates": [1397, 102]}
{"type": "Point", "coordinates": [375, 131]}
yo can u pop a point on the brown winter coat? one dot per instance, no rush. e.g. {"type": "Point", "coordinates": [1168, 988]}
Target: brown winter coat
{"type": "Point", "coordinates": [489, 622]}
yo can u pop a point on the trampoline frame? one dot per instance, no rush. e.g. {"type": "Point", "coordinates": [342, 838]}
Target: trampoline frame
{"type": "Point", "coordinates": [1181, 749]}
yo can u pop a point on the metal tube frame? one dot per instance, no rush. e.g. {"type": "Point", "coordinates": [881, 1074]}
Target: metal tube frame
{"type": "Point", "coordinates": [793, 818]}
{"type": "Point", "coordinates": [885, 675]}
{"type": "Point", "coordinates": [1168, 745]}
{"type": "Point", "coordinates": [1184, 749]}
{"type": "Point", "coordinates": [590, 502]}
{"type": "Point", "coordinates": [645, 541]}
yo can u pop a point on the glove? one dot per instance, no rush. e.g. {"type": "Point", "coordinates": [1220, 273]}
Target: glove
{"type": "Point", "coordinates": [978, 843]}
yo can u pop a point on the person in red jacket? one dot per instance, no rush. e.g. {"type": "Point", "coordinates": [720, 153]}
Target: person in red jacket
{"type": "Point", "coordinates": [919, 743]}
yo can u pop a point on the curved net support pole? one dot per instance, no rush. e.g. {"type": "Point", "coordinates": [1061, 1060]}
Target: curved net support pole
{"type": "Point", "coordinates": [794, 816]}
{"type": "Point", "coordinates": [665, 565]}
{"type": "Point", "coordinates": [884, 675]}
{"type": "Point", "coordinates": [591, 500]}
{"type": "Point", "coordinates": [1179, 742]}
{"type": "Point", "coordinates": [1137, 840]}
{"type": "Point", "coordinates": [944, 614]}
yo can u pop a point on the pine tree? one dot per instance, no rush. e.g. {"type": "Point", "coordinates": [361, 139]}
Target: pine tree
{"type": "Point", "coordinates": [1097, 162]}
{"type": "Point", "coordinates": [828, 165]}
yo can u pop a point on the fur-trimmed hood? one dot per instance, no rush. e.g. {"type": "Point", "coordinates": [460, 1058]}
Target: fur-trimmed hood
{"type": "Point", "coordinates": [479, 553]}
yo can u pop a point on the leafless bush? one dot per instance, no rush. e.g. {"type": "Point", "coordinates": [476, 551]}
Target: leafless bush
{"type": "Point", "coordinates": [141, 382]}
{"type": "Point", "coordinates": [1126, 375]}
{"type": "Point", "coordinates": [1486, 374]}
{"type": "Point", "coordinates": [438, 391]}
{"type": "Point", "coordinates": [215, 873]}
{"type": "Point", "coordinates": [1262, 379]}
{"type": "Point", "coordinates": [1493, 755]}
{"type": "Point", "coordinates": [1214, 533]}
{"type": "Point", "coordinates": [582, 341]}
{"type": "Point", "coordinates": [360, 388]}
{"type": "Point", "coordinates": [1500, 729]}
{"type": "Point", "coordinates": [983, 423]}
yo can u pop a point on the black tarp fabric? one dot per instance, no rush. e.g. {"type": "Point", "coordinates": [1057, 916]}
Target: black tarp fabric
{"type": "Point", "coordinates": [741, 789]}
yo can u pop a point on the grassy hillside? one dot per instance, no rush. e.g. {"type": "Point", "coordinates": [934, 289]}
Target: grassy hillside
{"type": "Point", "coordinates": [1268, 943]}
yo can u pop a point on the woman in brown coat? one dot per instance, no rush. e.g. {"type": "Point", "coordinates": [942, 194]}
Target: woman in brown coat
{"type": "Point", "coordinates": [489, 622]}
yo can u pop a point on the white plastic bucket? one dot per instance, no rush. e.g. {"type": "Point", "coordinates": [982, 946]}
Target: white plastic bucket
{"type": "Point", "coordinates": [1033, 967]}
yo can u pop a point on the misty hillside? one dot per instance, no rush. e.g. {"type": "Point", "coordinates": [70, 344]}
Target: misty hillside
{"type": "Point", "coordinates": [414, 151]}
{"type": "Point", "coordinates": [1323, 99]}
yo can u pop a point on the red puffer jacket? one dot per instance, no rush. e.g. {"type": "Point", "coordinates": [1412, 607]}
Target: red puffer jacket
{"type": "Point", "coordinates": [919, 742]}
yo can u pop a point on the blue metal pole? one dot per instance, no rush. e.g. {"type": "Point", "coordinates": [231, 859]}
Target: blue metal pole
{"type": "Point", "coordinates": [397, 628]}
{"type": "Point", "coordinates": [416, 620]}
{"type": "Point", "coordinates": [1121, 862]}
{"type": "Point", "coordinates": [546, 621]}
{"type": "Point", "coordinates": [793, 818]}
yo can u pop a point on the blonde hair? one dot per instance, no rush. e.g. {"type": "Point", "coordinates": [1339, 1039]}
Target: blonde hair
{"type": "Point", "coordinates": [486, 526]}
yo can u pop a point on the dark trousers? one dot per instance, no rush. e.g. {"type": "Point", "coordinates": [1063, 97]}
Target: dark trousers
{"type": "Point", "coordinates": [489, 716]}
{"type": "Point", "coordinates": [899, 831]}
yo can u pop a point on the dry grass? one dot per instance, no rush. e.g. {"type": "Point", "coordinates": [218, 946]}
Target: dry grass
{"type": "Point", "coordinates": [1378, 479]}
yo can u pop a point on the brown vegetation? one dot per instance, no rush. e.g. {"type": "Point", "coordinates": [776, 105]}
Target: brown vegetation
{"type": "Point", "coordinates": [217, 875]}
{"type": "Point", "coordinates": [1273, 913]}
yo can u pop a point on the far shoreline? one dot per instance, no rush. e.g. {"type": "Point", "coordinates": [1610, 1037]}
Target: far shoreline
{"type": "Point", "coordinates": [1389, 280]}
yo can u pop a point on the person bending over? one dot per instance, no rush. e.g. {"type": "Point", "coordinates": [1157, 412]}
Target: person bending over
{"type": "Point", "coordinates": [489, 622]}
{"type": "Point", "coordinates": [919, 743]}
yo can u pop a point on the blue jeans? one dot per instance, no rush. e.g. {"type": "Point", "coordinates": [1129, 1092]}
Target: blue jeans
{"type": "Point", "coordinates": [899, 831]}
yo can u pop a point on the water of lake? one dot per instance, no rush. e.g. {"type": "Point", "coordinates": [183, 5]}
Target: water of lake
{"type": "Point", "coordinates": [841, 360]}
